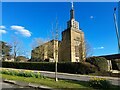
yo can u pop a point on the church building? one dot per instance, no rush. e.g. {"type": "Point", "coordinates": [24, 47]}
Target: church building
{"type": "Point", "coordinates": [71, 48]}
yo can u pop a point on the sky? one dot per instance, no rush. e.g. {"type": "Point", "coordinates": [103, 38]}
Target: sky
{"type": "Point", "coordinates": [30, 20]}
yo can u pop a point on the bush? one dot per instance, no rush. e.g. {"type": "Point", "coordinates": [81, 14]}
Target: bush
{"type": "Point", "coordinates": [5, 72]}
{"type": "Point", "coordinates": [99, 62]}
{"type": "Point", "coordinates": [102, 73]}
{"type": "Point", "coordinates": [65, 67]}
{"type": "Point", "coordinates": [99, 83]}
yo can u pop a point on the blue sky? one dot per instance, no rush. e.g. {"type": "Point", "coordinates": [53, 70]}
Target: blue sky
{"type": "Point", "coordinates": [28, 20]}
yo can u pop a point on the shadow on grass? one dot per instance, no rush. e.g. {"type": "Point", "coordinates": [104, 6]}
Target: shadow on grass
{"type": "Point", "coordinates": [114, 87]}
{"type": "Point", "coordinates": [83, 83]}
{"type": "Point", "coordinates": [86, 84]}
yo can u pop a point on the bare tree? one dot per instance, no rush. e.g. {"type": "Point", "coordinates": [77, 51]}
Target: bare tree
{"type": "Point", "coordinates": [37, 42]}
{"type": "Point", "coordinates": [82, 50]}
{"type": "Point", "coordinates": [17, 47]}
{"type": "Point", "coordinates": [88, 50]}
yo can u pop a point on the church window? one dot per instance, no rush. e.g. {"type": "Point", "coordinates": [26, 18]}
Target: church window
{"type": "Point", "coordinates": [76, 51]}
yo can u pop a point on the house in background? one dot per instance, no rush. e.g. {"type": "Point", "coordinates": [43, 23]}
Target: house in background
{"type": "Point", "coordinates": [46, 52]}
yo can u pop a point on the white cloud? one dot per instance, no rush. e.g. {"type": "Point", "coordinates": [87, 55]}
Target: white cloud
{"type": "Point", "coordinates": [2, 27]}
{"type": "Point", "coordinates": [99, 47]}
{"type": "Point", "coordinates": [2, 31]}
{"type": "Point", "coordinates": [21, 30]}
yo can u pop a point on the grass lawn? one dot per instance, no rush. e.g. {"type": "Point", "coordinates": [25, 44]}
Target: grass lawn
{"type": "Point", "coordinates": [50, 82]}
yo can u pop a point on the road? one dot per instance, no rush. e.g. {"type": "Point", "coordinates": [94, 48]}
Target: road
{"type": "Point", "coordinates": [113, 80]}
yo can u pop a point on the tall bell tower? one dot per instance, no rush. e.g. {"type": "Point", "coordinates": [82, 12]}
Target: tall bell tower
{"type": "Point", "coordinates": [72, 48]}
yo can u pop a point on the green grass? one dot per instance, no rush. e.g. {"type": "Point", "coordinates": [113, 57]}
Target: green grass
{"type": "Point", "coordinates": [50, 82]}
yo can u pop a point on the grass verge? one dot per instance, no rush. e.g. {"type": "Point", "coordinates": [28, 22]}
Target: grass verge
{"type": "Point", "coordinates": [50, 82]}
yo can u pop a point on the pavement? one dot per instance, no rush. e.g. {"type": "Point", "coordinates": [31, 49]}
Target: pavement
{"type": "Point", "coordinates": [24, 85]}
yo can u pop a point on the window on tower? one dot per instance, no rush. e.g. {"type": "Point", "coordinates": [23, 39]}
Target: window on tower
{"type": "Point", "coordinates": [76, 51]}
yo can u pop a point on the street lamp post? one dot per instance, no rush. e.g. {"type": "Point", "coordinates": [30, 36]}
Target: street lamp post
{"type": "Point", "coordinates": [56, 79]}
{"type": "Point", "coordinates": [117, 32]}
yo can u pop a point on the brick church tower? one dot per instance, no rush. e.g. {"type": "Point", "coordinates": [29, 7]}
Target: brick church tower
{"type": "Point", "coordinates": [72, 48]}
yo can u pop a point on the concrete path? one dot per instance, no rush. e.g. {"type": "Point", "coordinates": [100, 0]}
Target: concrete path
{"type": "Point", "coordinates": [24, 85]}
{"type": "Point", "coordinates": [11, 86]}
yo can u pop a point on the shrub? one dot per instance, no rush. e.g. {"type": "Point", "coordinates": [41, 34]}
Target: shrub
{"type": "Point", "coordinates": [37, 75]}
{"type": "Point", "coordinates": [100, 62]}
{"type": "Point", "coordinates": [5, 72]}
{"type": "Point", "coordinates": [100, 83]}
{"type": "Point", "coordinates": [102, 73]}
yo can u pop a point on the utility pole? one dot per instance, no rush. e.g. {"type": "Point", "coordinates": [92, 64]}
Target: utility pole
{"type": "Point", "coordinates": [56, 50]}
{"type": "Point", "coordinates": [117, 32]}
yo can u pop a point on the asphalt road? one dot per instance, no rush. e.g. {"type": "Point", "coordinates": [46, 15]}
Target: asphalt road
{"type": "Point", "coordinates": [113, 80]}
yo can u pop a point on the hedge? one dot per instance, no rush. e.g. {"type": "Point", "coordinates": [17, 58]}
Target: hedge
{"type": "Point", "coordinates": [99, 62]}
{"type": "Point", "coordinates": [65, 67]}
